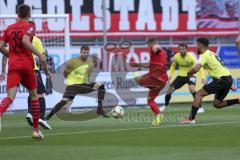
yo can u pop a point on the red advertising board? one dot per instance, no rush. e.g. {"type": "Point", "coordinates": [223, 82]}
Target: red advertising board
{"type": "Point", "coordinates": [136, 18]}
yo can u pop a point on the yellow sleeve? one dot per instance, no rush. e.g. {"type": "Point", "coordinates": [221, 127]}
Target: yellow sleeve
{"type": "Point", "coordinates": [68, 68]}
{"type": "Point", "coordinates": [90, 69]}
{"type": "Point", "coordinates": [70, 65]}
{"type": "Point", "coordinates": [202, 73]}
{"type": "Point", "coordinates": [172, 68]}
{"type": "Point", "coordinates": [37, 43]}
{"type": "Point", "coordinates": [202, 59]}
{"type": "Point", "coordinates": [193, 58]}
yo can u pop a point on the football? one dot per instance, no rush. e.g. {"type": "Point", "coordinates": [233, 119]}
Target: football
{"type": "Point", "coordinates": [117, 112]}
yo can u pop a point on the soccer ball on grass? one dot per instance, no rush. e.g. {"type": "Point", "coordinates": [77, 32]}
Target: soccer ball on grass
{"type": "Point", "coordinates": [117, 112]}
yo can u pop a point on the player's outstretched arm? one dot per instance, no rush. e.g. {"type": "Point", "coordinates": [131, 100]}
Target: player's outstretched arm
{"type": "Point", "coordinates": [144, 65]}
{"type": "Point", "coordinates": [203, 76]}
{"type": "Point", "coordinates": [67, 70]}
{"type": "Point", "coordinates": [194, 70]}
{"type": "Point", "coordinates": [4, 51]}
{"type": "Point", "coordinates": [70, 66]}
{"type": "Point", "coordinates": [37, 43]}
{"type": "Point", "coordinates": [45, 67]}
{"type": "Point", "coordinates": [66, 73]}
{"type": "Point", "coordinates": [172, 69]}
{"type": "Point", "coordinates": [4, 63]}
{"type": "Point", "coordinates": [2, 43]}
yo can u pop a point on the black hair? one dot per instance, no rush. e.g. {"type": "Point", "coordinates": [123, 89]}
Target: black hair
{"type": "Point", "coordinates": [23, 11]}
{"type": "Point", "coordinates": [85, 47]}
{"type": "Point", "coordinates": [203, 41]}
{"type": "Point", "coordinates": [183, 45]}
{"type": "Point", "coordinates": [152, 40]}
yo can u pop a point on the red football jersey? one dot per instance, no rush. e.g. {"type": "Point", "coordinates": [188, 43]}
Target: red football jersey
{"type": "Point", "coordinates": [158, 65]}
{"type": "Point", "coordinates": [19, 56]}
{"type": "Point", "coordinates": [158, 58]}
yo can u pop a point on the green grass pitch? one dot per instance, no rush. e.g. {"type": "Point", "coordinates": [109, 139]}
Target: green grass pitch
{"type": "Point", "coordinates": [216, 136]}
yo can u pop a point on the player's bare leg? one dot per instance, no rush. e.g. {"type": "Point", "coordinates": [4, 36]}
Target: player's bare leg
{"type": "Point", "coordinates": [35, 110]}
{"type": "Point", "coordinates": [192, 90]}
{"type": "Point", "coordinates": [219, 104]}
{"type": "Point", "coordinates": [195, 106]}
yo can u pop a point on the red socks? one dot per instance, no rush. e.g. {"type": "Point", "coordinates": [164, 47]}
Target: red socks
{"type": "Point", "coordinates": [35, 111]}
{"type": "Point", "coordinates": [154, 107]}
{"type": "Point", "coordinates": [6, 102]}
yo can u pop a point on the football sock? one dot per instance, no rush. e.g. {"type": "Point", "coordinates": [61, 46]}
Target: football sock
{"type": "Point", "coordinates": [42, 106]}
{"type": "Point", "coordinates": [100, 107]}
{"type": "Point", "coordinates": [154, 107]}
{"type": "Point", "coordinates": [29, 104]}
{"type": "Point", "coordinates": [42, 103]}
{"type": "Point", "coordinates": [6, 102]}
{"type": "Point", "coordinates": [101, 95]}
{"type": "Point", "coordinates": [193, 113]}
{"type": "Point", "coordinates": [35, 110]}
{"type": "Point", "coordinates": [231, 102]}
{"type": "Point", "coordinates": [56, 108]}
{"type": "Point", "coordinates": [167, 99]}
{"type": "Point", "coordinates": [193, 94]}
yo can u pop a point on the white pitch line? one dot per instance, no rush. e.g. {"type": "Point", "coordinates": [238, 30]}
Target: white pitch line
{"type": "Point", "coordinates": [126, 129]}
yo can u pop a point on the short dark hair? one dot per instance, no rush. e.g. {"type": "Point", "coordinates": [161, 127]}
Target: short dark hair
{"type": "Point", "coordinates": [152, 40]}
{"type": "Point", "coordinates": [23, 11]}
{"type": "Point", "coordinates": [203, 41]}
{"type": "Point", "coordinates": [183, 45]}
{"type": "Point", "coordinates": [85, 47]}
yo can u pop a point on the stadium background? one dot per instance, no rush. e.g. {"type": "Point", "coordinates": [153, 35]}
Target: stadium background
{"type": "Point", "coordinates": [171, 21]}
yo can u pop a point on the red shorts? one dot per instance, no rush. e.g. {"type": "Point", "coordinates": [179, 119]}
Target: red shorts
{"type": "Point", "coordinates": [26, 77]}
{"type": "Point", "coordinates": [153, 84]}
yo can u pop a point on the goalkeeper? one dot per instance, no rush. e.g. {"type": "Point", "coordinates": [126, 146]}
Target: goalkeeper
{"type": "Point", "coordinates": [77, 73]}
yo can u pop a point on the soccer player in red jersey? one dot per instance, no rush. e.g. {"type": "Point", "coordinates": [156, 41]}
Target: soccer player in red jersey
{"type": "Point", "coordinates": [156, 78]}
{"type": "Point", "coordinates": [21, 64]}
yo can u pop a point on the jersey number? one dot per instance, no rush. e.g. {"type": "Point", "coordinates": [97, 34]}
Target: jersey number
{"type": "Point", "coordinates": [17, 40]}
{"type": "Point", "coordinates": [220, 61]}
